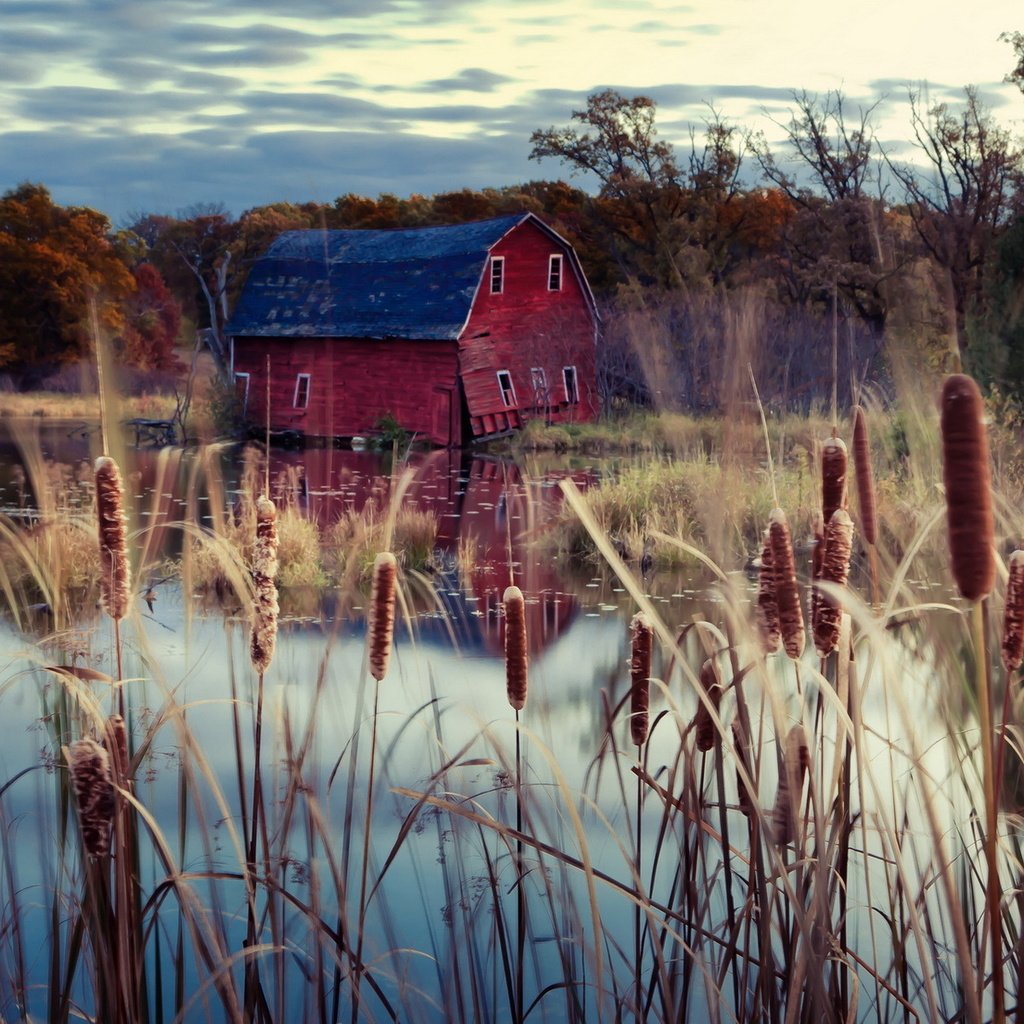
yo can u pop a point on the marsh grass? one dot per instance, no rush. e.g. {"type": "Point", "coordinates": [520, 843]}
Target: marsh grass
{"type": "Point", "coordinates": [808, 840]}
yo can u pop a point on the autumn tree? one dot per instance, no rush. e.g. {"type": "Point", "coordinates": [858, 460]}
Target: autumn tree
{"type": "Point", "coordinates": [640, 188]}
{"type": "Point", "coordinates": [962, 194]}
{"type": "Point", "coordinates": [193, 252]}
{"type": "Point", "coordinates": [57, 266]}
{"type": "Point", "coordinates": [152, 319]}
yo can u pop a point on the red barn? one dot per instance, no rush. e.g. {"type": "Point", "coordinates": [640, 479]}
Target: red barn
{"type": "Point", "coordinates": [456, 332]}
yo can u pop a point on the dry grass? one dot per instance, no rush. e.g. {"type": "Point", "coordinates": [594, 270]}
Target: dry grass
{"type": "Point", "coordinates": [351, 543]}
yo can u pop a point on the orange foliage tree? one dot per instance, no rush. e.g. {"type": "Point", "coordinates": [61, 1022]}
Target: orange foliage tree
{"type": "Point", "coordinates": [56, 265]}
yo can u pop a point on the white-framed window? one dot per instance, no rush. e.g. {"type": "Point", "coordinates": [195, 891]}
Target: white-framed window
{"type": "Point", "coordinates": [497, 275]}
{"type": "Point", "coordinates": [555, 272]}
{"type": "Point", "coordinates": [301, 391]}
{"type": "Point", "coordinates": [508, 392]}
{"type": "Point", "coordinates": [572, 387]}
{"type": "Point", "coordinates": [538, 380]}
{"type": "Point", "coordinates": [242, 390]}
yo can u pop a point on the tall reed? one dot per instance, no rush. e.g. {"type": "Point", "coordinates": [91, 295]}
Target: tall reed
{"type": "Point", "coordinates": [516, 687]}
{"type": "Point", "coordinates": [971, 524]}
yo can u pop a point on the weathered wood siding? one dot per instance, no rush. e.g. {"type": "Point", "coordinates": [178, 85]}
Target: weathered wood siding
{"type": "Point", "coordinates": [352, 383]}
{"type": "Point", "coordinates": [523, 327]}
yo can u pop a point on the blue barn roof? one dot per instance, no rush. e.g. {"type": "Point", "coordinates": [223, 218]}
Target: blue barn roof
{"type": "Point", "coordinates": [414, 283]}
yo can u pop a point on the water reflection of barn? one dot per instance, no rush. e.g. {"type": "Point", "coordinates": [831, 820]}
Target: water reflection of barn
{"type": "Point", "coordinates": [488, 515]}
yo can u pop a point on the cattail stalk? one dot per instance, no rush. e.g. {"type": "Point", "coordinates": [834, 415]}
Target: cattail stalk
{"type": "Point", "coordinates": [89, 765]}
{"type": "Point", "coordinates": [382, 613]}
{"type": "Point", "coordinates": [795, 763]}
{"type": "Point", "coordinates": [767, 604]}
{"type": "Point", "coordinates": [642, 647]}
{"type": "Point", "coordinates": [835, 569]}
{"type": "Point", "coordinates": [264, 572]}
{"type": "Point", "coordinates": [787, 594]}
{"type": "Point", "coordinates": [516, 685]}
{"type": "Point", "coordinates": [969, 516]}
{"type": "Point", "coordinates": [516, 661]}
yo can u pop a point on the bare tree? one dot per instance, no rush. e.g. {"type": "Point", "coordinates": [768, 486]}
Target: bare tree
{"type": "Point", "coordinates": [963, 193]}
{"type": "Point", "coordinates": [838, 238]}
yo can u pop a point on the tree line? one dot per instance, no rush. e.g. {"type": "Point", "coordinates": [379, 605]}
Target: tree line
{"type": "Point", "coordinates": [826, 257]}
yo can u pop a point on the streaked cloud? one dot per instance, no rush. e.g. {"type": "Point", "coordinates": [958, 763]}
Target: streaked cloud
{"type": "Point", "coordinates": [128, 105]}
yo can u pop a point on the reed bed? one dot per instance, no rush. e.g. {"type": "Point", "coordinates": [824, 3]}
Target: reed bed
{"type": "Point", "coordinates": [348, 823]}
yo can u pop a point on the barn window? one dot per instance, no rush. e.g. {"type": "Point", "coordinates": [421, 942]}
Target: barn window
{"type": "Point", "coordinates": [497, 275]}
{"type": "Point", "coordinates": [508, 392]}
{"type": "Point", "coordinates": [301, 391]}
{"type": "Point", "coordinates": [572, 388]}
{"type": "Point", "coordinates": [242, 391]}
{"type": "Point", "coordinates": [555, 273]}
{"type": "Point", "coordinates": [539, 380]}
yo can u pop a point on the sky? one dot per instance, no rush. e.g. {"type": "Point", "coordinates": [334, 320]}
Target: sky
{"type": "Point", "coordinates": [154, 106]}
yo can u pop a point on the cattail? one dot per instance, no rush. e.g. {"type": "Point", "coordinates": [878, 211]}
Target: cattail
{"type": "Point", "coordinates": [382, 613]}
{"type": "Point", "coordinates": [767, 605]}
{"type": "Point", "coordinates": [835, 569]}
{"type": "Point", "coordinates": [968, 483]}
{"type": "Point", "coordinates": [703, 725]}
{"type": "Point", "coordinates": [740, 743]}
{"type": "Point", "coordinates": [833, 477]}
{"type": "Point", "coordinates": [1013, 616]}
{"type": "Point", "coordinates": [640, 677]}
{"type": "Point", "coordinates": [865, 476]}
{"type": "Point", "coordinates": [795, 762]}
{"type": "Point", "coordinates": [516, 662]}
{"type": "Point", "coordinates": [787, 595]}
{"type": "Point", "coordinates": [89, 766]}
{"type": "Point", "coordinates": [115, 574]}
{"type": "Point", "coordinates": [264, 571]}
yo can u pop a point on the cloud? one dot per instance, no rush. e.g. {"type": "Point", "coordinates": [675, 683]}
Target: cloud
{"type": "Point", "coordinates": [470, 80]}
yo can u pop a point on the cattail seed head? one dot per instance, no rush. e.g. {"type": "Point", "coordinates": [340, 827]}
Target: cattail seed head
{"type": "Point", "coordinates": [767, 605]}
{"type": "Point", "coordinates": [796, 761]}
{"type": "Point", "coordinates": [516, 662]}
{"type": "Point", "coordinates": [264, 572]}
{"type": "Point", "coordinates": [1013, 617]}
{"type": "Point", "coordinates": [833, 477]}
{"type": "Point", "coordinates": [703, 725]}
{"type": "Point", "coordinates": [641, 651]}
{"type": "Point", "coordinates": [787, 594]}
{"type": "Point", "coordinates": [382, 613]}
{"type": "Point", "coordinates": [89, 766]}
{"type": "Point", "coordinates": [835, 569]}
{"type": "Point", "coordinates": [968, 481]}
{"type": "Point", "coordinates": [865, 476]}
{"type": "Point", "coordinates": [115, 573]}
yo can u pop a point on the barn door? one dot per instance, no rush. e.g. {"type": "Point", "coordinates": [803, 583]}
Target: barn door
{"type": "Point", "coordinates": [443, 425]}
